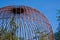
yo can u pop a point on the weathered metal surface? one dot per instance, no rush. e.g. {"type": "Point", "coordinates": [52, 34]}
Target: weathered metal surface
{"type": "Point", "coordinates": [32, 24]}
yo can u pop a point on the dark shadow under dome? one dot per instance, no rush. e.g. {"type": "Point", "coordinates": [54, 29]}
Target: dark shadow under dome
{"type": "Point", "coordinates": [18, 10]}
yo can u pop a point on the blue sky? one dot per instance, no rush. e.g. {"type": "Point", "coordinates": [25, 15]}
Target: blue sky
{"type": "Point", "coordinates": [47, 7]}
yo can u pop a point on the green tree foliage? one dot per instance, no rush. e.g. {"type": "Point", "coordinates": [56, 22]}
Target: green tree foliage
{"type": "Point", "coordinates": [57, 34]}
{"type": "Point", "coordinates": [11, 33]}
{"type": "Point", "coordinates": [42, 35]}
{"type": "Point", "coordinates": [14, 27]}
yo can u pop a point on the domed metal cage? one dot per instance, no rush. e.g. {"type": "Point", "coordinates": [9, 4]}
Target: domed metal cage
{"type": "Point", "coordinates": [24, 23]}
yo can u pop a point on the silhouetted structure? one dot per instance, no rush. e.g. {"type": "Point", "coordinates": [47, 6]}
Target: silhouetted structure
{"type": "Point", "coordinates": [26, 23]}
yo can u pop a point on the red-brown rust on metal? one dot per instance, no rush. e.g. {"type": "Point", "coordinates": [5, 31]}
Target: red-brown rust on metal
{"type": "Point", "coordinates": [15, 10]}
{"type": "Point", "coordinates": [51, 36]}
{"type": "Point", "coordinates": [29, 11]}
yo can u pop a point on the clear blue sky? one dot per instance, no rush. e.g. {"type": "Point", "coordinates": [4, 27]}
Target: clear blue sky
{"type": "Point", "coordinates": [47, 7]}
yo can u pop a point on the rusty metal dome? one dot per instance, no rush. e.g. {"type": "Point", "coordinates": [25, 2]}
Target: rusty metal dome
{"type": "Point", "coordinates": [32, 24]}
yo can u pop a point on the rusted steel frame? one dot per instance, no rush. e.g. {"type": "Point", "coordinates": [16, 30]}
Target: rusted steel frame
{"type": "Point", "coordinates": [11, 36]}
{"type": "Point", "coordinates": [27, 10]}
{"type": "Point", "coordinates": [25, 25]}
{"type": "Point", "coordinates": [15, 30]}
{"type": "Point", "coordinates": [51, 33]}
{"type": "Point", "coordinates": [52, 37]}
{"type": "Point", "coordinates": [29, 18]}
{"type": "Point", "coordinates": [30, 11]}
{"type": "Point", "coordinates": [42, 16]}
{"type": "Point", "coordinates": [32, 29]}
{"type": "Point", "coordinates": [39, 13]}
